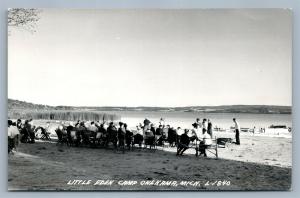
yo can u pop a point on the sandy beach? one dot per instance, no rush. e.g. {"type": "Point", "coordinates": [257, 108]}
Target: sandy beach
{"type": "Point", "coordinates": [259, 163]}
{"type": "Point", "coordinates": [94, 77]}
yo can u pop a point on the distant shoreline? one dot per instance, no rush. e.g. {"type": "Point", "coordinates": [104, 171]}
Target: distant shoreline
{"type": "Point", "coordinates": [251, 109]}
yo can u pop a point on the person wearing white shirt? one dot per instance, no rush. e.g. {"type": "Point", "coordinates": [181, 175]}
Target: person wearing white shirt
{"type": "Point", "coordinates": [195, 133]}
{"type": "Point", "coordinates": [179, 131]}
{"type": "Point", "coordinates": [138, 136]}
{"type": "Point", "coordinates": [92, 127]}
{"type": "Point", "coordinates": [237, 132]}
{"type": "Point", "coordinates": [13, 136]}
{"type": "Point", "coordinates": [12, 130]}
{"type": "Point", "coordinates": [199, 122]}
{"type": "Point", "coordinates": [139, 130]}
{"type": "Point", "coordinates": [204, 143]}
{"type": "Point", "coordinates": [207, 138]}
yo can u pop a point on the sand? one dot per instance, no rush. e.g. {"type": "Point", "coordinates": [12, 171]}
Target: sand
{"type": "Point", "coordinates": [259, 163]}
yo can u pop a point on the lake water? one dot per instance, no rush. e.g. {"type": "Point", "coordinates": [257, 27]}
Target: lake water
{"type": "Point", "coordinates": [223, 120]}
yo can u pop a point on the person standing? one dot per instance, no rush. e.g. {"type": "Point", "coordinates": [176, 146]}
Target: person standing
{"type": "Point", "coordinates": [198, 122]}
{"type": "Point", "coordinates": [209, 128]}
{"type": "Point", "coordinates": [237, 132]}
{"type": "Point", "coordinates": [204, 125]}
{"type": "Point", "coordinates": [19, 124]}
{"type": "Point", "coordinates": [196, 133]}
{"type": "Point", "coordinates": [13, 136]}
{"type": "Point", "coordinates": [121, 135]}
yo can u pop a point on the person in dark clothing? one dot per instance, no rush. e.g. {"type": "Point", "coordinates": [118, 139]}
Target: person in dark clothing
{"type": "Point", "coordinates": [209, 128]}
{"type": "Point", "coordinates": [19, 124]}
{"type": "Point", "coordinates": [152, 129]}
{"type": "Point", "coordinates": [184, 142]}
{"type": "Point", "coordinates": [69, 137]}
{"type": "Point", "coordinates": [85, 139]}
{"type": "Point", "coordinates": [237, 137]}
{"type": "Point", "coordinates": [152, 139]}
{"type": "Point", "coordinates": [158, 134]}
{"type": "Point", "coordinates": [112, 135]}
{"type": "Point", "coordinates": [159, 130]}
{"type": "Point", "coordinates": [179, 132]}
{"type": "Point", "coordinates": [172, 136]}
{"type": "Point", "coordinates": [24, 135]}
{"type": "Point", "coordinates": [121, 135]}
{"type": "Point", "coordinates": [30, 130]}
{"type": "Point", "coordinates": [201, 149]}
{"type": "Point", "coordinates": [104, 135]}
{"type": "Point", "coordinates": [128, 137]}
{"type": "Point", "coordinates": [146, 122]}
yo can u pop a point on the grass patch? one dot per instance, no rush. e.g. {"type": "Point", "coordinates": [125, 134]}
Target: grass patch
{"type": "Point", "coordinates": [62, 115]}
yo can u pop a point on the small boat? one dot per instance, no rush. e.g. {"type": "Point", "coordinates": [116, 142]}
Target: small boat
{"type": "Point", "coordinates": [245, 129]}
{"type": "Point", "coordinates": [278, 129]}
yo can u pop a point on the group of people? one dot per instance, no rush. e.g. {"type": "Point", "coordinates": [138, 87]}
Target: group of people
{"type": "Point", "coordinates": [96, 133]}
{"type": "Point", "coordinates": [201, 134]}
{"type": "Point", "coordinates": [20, 132]}
{"type": "Point", "coordinates": [103, 133]}
{"type": "Point", "coordinates": [117, 133]}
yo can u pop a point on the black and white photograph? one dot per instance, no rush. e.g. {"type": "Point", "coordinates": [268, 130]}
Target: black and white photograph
{"type": "Point", "coordinates": [149, 99]}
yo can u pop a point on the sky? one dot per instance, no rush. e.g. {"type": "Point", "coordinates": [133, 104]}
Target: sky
{"type": "Point", "coordinates": [153, 58]}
